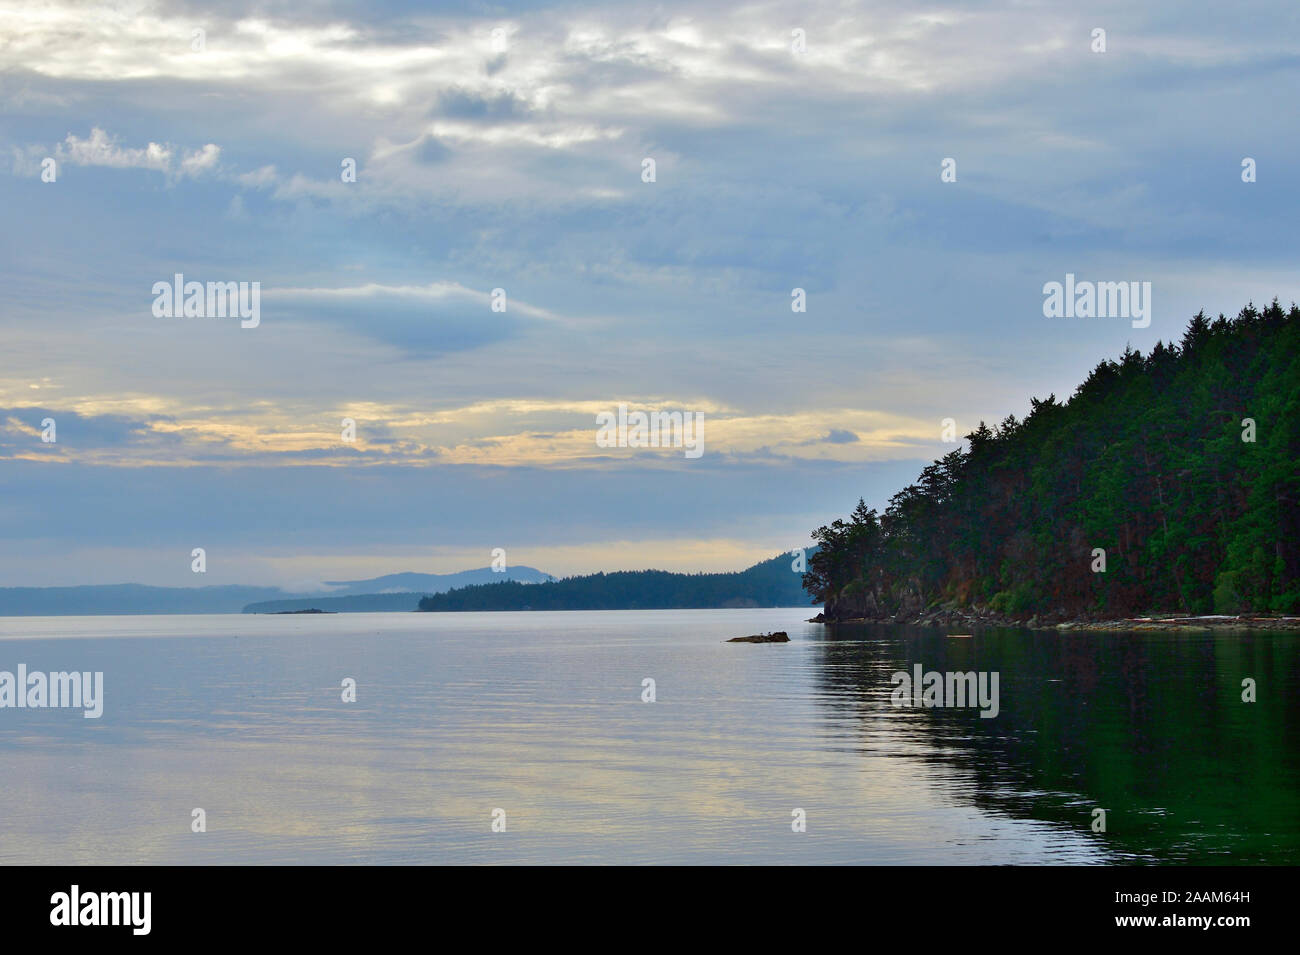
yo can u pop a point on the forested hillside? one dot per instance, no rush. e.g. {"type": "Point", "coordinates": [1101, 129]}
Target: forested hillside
{"type": "Point", "coordinates": [771, 583]}
{"type": "Point", "coordinates": [1181, 465]}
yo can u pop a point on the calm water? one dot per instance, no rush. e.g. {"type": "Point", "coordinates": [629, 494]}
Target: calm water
{"type": "Point", "coordinates": [540, 714]}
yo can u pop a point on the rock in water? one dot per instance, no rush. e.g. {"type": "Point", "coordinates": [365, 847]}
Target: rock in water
{"type": "Point", "coordinates": [778, 637]}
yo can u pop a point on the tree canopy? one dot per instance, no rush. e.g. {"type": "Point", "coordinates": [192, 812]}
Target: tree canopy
{"type": "Point", "coordinates": [1180, 465]}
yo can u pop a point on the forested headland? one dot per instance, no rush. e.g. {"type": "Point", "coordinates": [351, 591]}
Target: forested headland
{"type": "Point", "coordinates": [771, 583]}
{"type": "Point", "coordinates": [1168, 483]}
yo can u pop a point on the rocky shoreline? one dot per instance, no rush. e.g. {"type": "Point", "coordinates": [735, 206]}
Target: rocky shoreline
{"type": "Point", "coordinates": [982, 618]}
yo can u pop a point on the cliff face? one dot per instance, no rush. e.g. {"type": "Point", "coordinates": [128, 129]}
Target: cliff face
{"type": "Point", "coordinates": [909, 604]}
{"type": "Point", "coordinates": [864, 609]}
{"type": "Point", "coordinates": [867, 604]}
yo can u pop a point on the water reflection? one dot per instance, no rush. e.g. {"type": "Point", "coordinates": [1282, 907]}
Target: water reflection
{"type": "Point", "coordinates": [541, 714]}
{"type": "Point", "coordinates": [1149, 727]}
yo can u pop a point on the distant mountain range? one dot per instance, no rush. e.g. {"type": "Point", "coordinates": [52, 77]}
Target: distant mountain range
{"type": "Point", "coordinates": [390, 592]}
{"type": "Point", "coordinates": [770, 583]}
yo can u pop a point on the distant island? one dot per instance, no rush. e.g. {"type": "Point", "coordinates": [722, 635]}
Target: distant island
{"type": "Point", "coordinates": [403, 602]}
{"type": "Point", "coordinates": [770, 583]}
{"type": "Point", "coordinates": [390, 592]}
{"type": "Point", "coordinates": [1167, 484]}
{"type": "Point", "coordinates": [393, 593]}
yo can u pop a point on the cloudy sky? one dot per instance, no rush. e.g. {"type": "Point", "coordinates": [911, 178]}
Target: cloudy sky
{"type": "Point", "coordinates": [502, 146]}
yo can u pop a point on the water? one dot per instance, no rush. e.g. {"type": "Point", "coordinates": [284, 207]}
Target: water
{"type": "Point", "coordinates": [540, 714]}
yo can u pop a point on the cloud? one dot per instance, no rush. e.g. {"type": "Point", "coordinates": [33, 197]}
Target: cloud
{"type": "Point", "coordinates": [100, 149]}
{"type": "Point", "coordinates": [461, 103]}
{"type": "Point", "coordinates": [202, 161]}
{"type": "Point", "coordinates": [437, 318]}
{"type": "Point", "coordinates": [502, 433]}
{"type": "Point", "coordinates": [258, 178]}
{"type": "Point", "coordinates": [521, 169]}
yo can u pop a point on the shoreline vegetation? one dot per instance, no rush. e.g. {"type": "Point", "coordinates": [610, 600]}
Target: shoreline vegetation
{"type": "Point", "coordinates": [1167, 481]}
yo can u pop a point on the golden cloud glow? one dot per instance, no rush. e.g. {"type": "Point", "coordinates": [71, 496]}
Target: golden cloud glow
{"type": "Point", "coordinates": [519, 432]}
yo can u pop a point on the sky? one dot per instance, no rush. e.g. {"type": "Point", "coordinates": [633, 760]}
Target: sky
{"type": "Point", "coordinates": [504, 147]}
